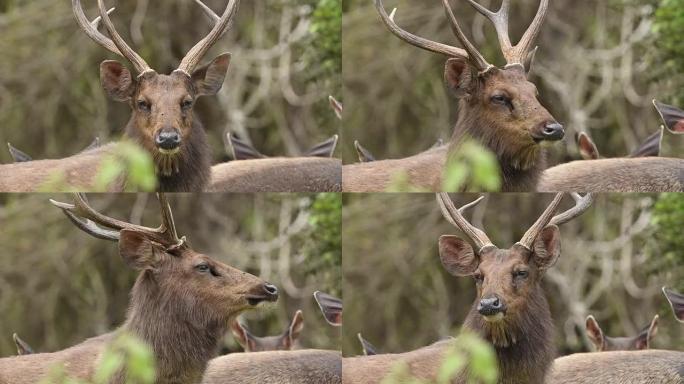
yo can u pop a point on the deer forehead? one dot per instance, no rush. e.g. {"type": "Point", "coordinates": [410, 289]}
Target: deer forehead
{"type": "Point", "coordinates": [502, 260]}
{"type": "Point", "coordinates": [165, 88]}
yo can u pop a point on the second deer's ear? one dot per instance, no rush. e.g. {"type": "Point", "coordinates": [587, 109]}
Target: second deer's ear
{"type": "Point", "coordinates": [644, 339]}
{"type": "Point", "coordinates": [594, 332]}
{"type": "Point", "coordinates": [209, 79]}
{"type": "Point", "coordinates": [294, 331]}
{"type": "Point", "coordinates": [457, 256]}
{"type": "Point", "coordinates": [587, 148]}
{"type": "Point", "coordinates": [242, 336]}
{"type": "Point", "coordinates": [459, 76]}
{"type": "Point", "coordinates": [116, 80]}
{"type": "Point", "coordinates": [137, 250]}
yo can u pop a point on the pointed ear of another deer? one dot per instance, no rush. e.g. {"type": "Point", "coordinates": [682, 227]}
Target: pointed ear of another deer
{"type": "Point", "coordinates": [242, 336]}
{"type": "Point", "coordinates": [368, 348]}
{"type": "Point", "coordinates": [17, 155]}
{"type": "Point", "coordinates": [324, 149]}
{"type": "Point", "coordinates": [295, 330]}
{"type": "Point", "coordinates": [651, 147]}
{"type": "Point", "coordinates": [331, 308]}
{"type": "Point", "coordinates": [364, 155]}
{"type": "Point", "coordinates": [676, 301]}
{"type": "Point", "coordinates": [594, 332]}
{"type": "Point", "coordinates": [241, 149]}
{"type": "Point", "coordinates": [673, 117]}
{"type": "Point", "coordinates": [645, 337]}
{"type": "Point", "coordinates": [587, 148]}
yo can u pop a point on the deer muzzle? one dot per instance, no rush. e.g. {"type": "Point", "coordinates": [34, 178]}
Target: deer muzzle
{"type": "Point", "coordinates": [548, 131]}
{"type": "Point", "coordinates": [269, 292]}
{"type": "Point", "coordinates": [168, 140]}
{"type": "Point", "coordinates": [491, 308]}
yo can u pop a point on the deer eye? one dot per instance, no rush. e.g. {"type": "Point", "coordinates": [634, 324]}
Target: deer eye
{"type": "Point", "coordinates": [143, 105]}
{"type": "Point", "coordinates": [501, 100]}
{"type": "Point", "coordinates": [203, 268]}
{"type": "Point", "coordinates": [522, 274]}
{"type": "Point", "coordinates": [186, 104]}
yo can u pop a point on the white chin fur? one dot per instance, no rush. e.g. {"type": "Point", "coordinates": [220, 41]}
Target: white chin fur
{"type": "Point", "coordinates": [493, 319]}
{"type": "Point", "coordinates": [169, 151]}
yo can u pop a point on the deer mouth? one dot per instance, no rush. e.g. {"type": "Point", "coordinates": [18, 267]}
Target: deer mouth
{"type": "Point", "coordinates": [495, 318]}
{"type": "Point", "coordinates": [169, 152]}
{"type": "Point", "coordinates": [269, 294]}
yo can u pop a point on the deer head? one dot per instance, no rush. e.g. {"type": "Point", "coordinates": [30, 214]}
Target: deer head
{"type": "Point", "coordinates": [500, 106]}
{"type": "Point", "coordinates": [163, 121]}
{"type": "Point", "coordinates": [605, 343]}
{"type": "Point", "coordinates": [284, 342]}
{"type": "Point", "coordinates": [193, 287]}
{"type": "Point", "coordinates": [507, 280]}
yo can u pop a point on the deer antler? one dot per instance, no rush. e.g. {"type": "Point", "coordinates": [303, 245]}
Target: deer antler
{"type": "Point", "coordinates": [222, 25]}
{"type": "Point", "coordinates": [140, 65]}
{"type": "Point", "coordinates": [513, 54]}
{"type": "Point", "coordinates": [470, 52]}
{"type": "Point", "coordinates": [581, 205]}
{"type": "Point", "coordinates": [90, 28]}
{"type": "Point", "coordinates": [89, 221]}
{"type": "Point", "coordinates": [455, 217]}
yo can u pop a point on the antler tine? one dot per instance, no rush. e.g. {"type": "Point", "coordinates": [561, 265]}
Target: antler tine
{"type": "Point", "coordinates": [474, 55]}
{"type": "Point", "coordinates": [455, 217]}
{"type": "Point", "coordinates": [581, 205]}
{"type": "Point", "coordinates": [414, 40]}
{"type": "Point", "coordinates": [91, 221]}
{"type": "Point", "coordinates": [90, 28]}
{"type": "Point", "coordinates": [223, 24]}
{"type": "Point", "coordinates": [528, 238]}
{"type": "Point", "coordinates": [208, 12]}
{"type": "Point", "coordinates": [125, 50]}
{"type": "Point", "coordinates": [513, 54]}
{"type": "Point", "coordinates": [526, 42]}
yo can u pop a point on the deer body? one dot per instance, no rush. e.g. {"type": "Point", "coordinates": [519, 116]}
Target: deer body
{"type": "Point", "coordinates": [75, 172]}
{"type": "Point", "coordinates": [424, 171]}
{"type": "Point", "coordinates": [306, 366]}
{"type": "Point", "coordinates": [307, 174]}
{"type": "Point", "coordinates": [629, 367]}
{"type": "Point", "coordinates": [652, 174]}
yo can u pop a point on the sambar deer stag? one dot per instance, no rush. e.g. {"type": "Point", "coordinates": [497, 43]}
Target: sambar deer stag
{"type": "Point", "coordinates": [284, 342]}
{"type": "Point", "coordinates": [510, 312]}
{"type": "Point", "coordinates": [497, 107]}
{"type": "Point", "coordinates": [181, 303]}
{"type": "Point", "coordinates": [163, 122]}
{"type": "Point", "coordinates": [633, 343]}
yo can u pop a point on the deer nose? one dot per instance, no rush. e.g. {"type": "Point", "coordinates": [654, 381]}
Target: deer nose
{"type": "Point", "coordinates": [271, 289]}
{"type": "Point", "coordinates": [553, 131]}
{"type": "Point", "coordinates": [268, 292]}
{"type": "Point", "coordinates": [168, 139]}
{"type": "Point", "coordinates": [490, 306]}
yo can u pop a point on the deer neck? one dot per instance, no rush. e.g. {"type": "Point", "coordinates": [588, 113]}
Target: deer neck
{"type": "Point", "coordinates": [192, 166]}
{"type": "Point", "coordinates": [182, 340]}
{"type": "Point", "coordinates": [521, 166]}
{"type": "Point", "coordinates": [523, 345]}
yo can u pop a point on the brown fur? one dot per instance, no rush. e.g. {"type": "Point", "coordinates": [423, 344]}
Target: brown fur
{"type": "Point", "coordinates": [653, 174]}
{"type": "Point", "coordinates": [508, 131]}
{"type": "Point", "coordinates": [307, 174]}
{"type": "Point", "coordinates": [624, 367]}
{"type": "Point", "coordinates": [308, 366]}
{"type": "Point", "coordinates": [78, 171]}
{"type": "Point", "coordinates": [179, 312]}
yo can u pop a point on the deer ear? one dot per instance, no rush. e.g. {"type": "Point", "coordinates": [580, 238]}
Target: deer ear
{"type": "Point", "coordinates": [137, 251]}
{"type": "Point", "coordinates": [240, 334]}
{"type": "Point", "coordinates": [457, 256]}
{"type": "Point", "coordinates": [673, 117]}
{"type": "Point", "coordinates": [116, 80]}
{"type": "Point", "coordinates": [459, 76]}
{"type": "Point", "coordinates": [529, 61]}
{"type": "Point", "coordinates": [594, 332]}
{"type": "Point", "coordinates": [587, 148]}
{"type": "Point", "coordinates": [643, 341]}
{"type": "Point", "coordinates": [209, 79]}
{"type": "Point", "coordinates": [547, 247]}
{"type": "Point", "coordinates": [294, 331]}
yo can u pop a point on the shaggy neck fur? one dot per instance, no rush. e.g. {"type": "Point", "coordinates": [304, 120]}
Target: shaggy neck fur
{"type": "Point", "coordinates": [523, 344]}
{"type": "Point", "coordinates": [187, 171]}
{"type": "Point", "coordinates": [521, 165]}
{"type": "Point", "coordinates": [182, 337]}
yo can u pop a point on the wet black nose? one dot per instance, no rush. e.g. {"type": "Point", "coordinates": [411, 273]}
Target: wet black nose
{"type": "Point", "coordinates": [490, 306]}
{"type": "Point", "coordinates": [168, 139]}
{"type": "Point", "coordinates": [271, 291]}
{"type": "Point", "coordinates": [553, 131]}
